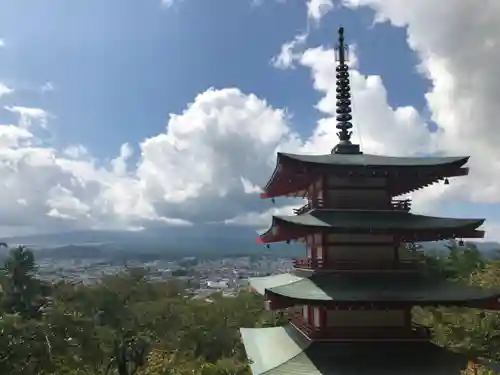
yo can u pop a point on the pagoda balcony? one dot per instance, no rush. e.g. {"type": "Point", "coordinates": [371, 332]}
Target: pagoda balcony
{"type": "Point", "coordinates": [339, 265]}
{"type": "Point", "coordinates": [394, 205]}
{"type": "Point", "coordinates": [311, 205]}
{"type": "Point", "coordinates": [359, 333]}
{"type": "Point", "coordinates": [401, 205]}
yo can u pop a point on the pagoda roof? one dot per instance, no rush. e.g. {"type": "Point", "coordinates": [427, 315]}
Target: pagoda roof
{"type": "Point", "coordinates": [294, 172]}
{"type": "Point", "coordinates": [360, 287]}
{"type": "Point", "coordinates": [284, 350]}
{"type": "Point", "coordinates": [368, 160]}
{"type": "Point", "coordinates": [369, 219]}
{"type": "Point", "coordinates": [387, 221]}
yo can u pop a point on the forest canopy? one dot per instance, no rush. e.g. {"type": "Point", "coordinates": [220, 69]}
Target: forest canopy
{"type": "Point", "coordinates": [128, 325]}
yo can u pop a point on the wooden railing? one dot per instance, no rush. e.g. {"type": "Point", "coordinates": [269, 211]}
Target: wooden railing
{"type": "Point", "coordinates": [413, 333]}
{"type": "Point", "coordinates": [401, 204]}
{"type": "Point", "coordinates": [297, 319]}
{"type": "Point", "coordinates": [311, 205]}
{"type": "Point", "coordinates": [395, 205]}
{"type": "Point", "coordinates": [403, 264]}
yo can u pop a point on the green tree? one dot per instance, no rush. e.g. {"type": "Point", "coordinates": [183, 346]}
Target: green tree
{"type": "Point", "coordinates": [473, 332]}
{"type": "Point", "coordinates": [24, 331]}
{"type": "Point", "coordinates": [23, 294]}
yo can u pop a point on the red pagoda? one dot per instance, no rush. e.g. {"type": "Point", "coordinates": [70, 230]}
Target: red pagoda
{"type": "Point", "coordinates": [349, 300]}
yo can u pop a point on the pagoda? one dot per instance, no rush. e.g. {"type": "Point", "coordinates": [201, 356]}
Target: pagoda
{"type": "Point", "coordinates": [349, 300]}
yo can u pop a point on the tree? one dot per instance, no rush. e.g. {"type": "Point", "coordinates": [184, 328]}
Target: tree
{"type": "Point", "coordinates": [124, 324]}
{"type": "Point", "coordinates": [473, 332]}
{"type": "Point", "coordinates": [23, 294]}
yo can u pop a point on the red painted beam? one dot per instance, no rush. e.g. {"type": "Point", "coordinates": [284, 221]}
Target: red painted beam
{"type": "Point", "coordinates": [493, 304]}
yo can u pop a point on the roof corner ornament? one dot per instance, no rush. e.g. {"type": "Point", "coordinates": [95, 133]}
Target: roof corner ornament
{"type": "Point", "coordinates": [343, 96]}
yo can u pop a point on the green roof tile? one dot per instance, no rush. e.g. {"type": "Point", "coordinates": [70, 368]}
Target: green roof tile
{"type": "Point", "coordinates": [282, 350]}
{"type": "Point", "coordinates": [372, 287]}
{"type": "Point", "coordinates": [387, 220]}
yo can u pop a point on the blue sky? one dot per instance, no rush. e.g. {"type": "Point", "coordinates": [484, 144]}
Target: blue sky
{"type": "Point", "coordinates": [119, 68]}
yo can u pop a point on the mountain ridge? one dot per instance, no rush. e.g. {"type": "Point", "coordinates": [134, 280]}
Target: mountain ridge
{"type": "Point", "coordinates": [202, 240]}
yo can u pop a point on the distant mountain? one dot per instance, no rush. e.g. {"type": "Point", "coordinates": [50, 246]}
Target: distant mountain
{"type": "Point", "coordinates": [172, 242]}
{"type": "Point", "coordinates": [202, 240]}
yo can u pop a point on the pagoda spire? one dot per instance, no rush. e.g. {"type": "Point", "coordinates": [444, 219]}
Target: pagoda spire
{"type": "Point", "coordinates": [344, 117]}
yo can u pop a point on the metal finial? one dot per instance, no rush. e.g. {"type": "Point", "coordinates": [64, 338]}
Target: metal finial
{"type": "Point", "coordinates": [343, 92]}
{"type": "Point", "coordinates": [341, 47]}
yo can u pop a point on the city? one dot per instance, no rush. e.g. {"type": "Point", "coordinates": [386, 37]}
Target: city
{"type": "Point", "coordinates": [204, 277]}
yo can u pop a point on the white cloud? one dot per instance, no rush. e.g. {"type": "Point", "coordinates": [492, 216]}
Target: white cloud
{"type": "Point", "coordinates": [47, 87]}
{"type": "Point", "coordinates": [4, 89]}
{"type": "Point", "coordinates": [168, 3]}
{"type": "Point", "coordinates": [205, 166]}
{"type": "Point", "coordinates": [48, 190]}
{"type": "Point", "coordinates": [76, 152]}
{"type": "Point", "coordinates": [378, 127]}
{"type": "Point", "coordinates": [290, 52]}
{"type": "Point", "coordinates": [317, 9]}
{"type": "Point", "coordinates": [492, 229]}
{"type": "Point", "coordinates": [260, 219]}
{"type": "Point", "coordinates": [28, 116]}
{"type": "Point", "coordinates": [2, 43]}
{"type": "Point", "coordinates": [198, 164]}
{"type": "Point", "coordinates": [456, 46]}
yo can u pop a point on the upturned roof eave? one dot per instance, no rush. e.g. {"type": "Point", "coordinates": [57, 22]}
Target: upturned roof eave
{"type": "Point", "coordinates": [464, 232]}
{"type": "Point", "coordinates": [274, 176]}
{"type": "Point", "coordinates": [390, 163]}
{"type": "Point", "coordinates": [438, 293]}
{"type": "Point", "coordinates": [316, 218]}
{"type": "Point", "coordinates": [377, 161]}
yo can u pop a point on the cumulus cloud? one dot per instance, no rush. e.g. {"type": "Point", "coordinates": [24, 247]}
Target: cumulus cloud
{"type": "Point", "coordinates": [50, 190]}
{"type": "Point", "coordinates": [206, 166]}
{"type": "Point", "coordinates": [458, 49]}
{"type": "Point", "coordinates": [198, 164]}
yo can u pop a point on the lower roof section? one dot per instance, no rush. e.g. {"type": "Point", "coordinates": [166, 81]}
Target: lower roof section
{"type": "Point", "coordinates": [284, 351]}
{"type": "Point", "coordinates": [370, 219]}
{"type": "Point", "coordinates": [415, 227]}
{"type": "Point", "coordinates": [372, 287]}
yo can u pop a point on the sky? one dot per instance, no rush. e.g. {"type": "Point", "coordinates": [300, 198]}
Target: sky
{"type": "Point", "coordinates": [140, 114]}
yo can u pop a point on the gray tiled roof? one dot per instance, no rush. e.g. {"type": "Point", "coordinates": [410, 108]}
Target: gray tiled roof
{"type": "Point", "coordinates": [368, 160]}
{"type": "Point", "coordinates": [365, 219]}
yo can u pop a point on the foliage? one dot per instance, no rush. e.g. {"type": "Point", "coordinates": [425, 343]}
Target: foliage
{"type": "Point", "coordinates": [128, 325]}
{"type": "Point", "coordinates": [122, 325]}
{"type": "Point", "coordinates": [473, 332]}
